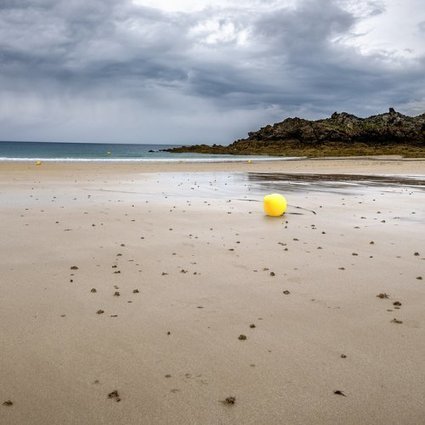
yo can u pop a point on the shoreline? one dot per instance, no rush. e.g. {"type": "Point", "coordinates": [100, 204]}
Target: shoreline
{"type": "Point", "coordinates": [331, 165]}
{"type": "Point", "coordinates": [218, 158]}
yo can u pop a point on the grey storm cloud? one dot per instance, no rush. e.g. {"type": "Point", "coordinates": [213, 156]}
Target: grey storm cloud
{"type": "Point", "coordinates": [89, 70]}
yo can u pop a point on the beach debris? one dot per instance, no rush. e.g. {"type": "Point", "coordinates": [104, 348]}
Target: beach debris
{"type": "Point", "coordinates": [242, 337]}
{"type": "Point", "coordinates": [382, 295]}
{"type": "Point", "coordinates": [419, 277]}
{"type": "Point", "coordinates": [8, 403]}
{"type": "Point", "coordinates": [305, 209]}
{"type": "Point", "coordinates": [136, 291]}
{"type": "Point", "coordinates": [339, 392]}
{"type": "Point", "coordinates": [397, 303]}
{"type": "Point", "coordinates": [115, 396]}
{"type": "Point", "coordinates": [116, 294]}
{"type": "Point", "coordinates": [286, 292]}
{"type": "Point", "coordinates": [399, 322]}
{"type": "Point", "coordinates": [274, 205]}
{"type": "Point", "coordinates": [229, 400]}
{"type": "Point", "coordinates": [93, 290]}
{"type": "Point", "coordinates": [272, 274]}
{"type": "Point", "coordinates": [100, 312]}
{"type": "Point", "coordinates": [416, 254]}
{"type": "Point", "coordinates": [74, 268]}
{"type": "Point", "coordinates": [38, 162]}
{"type": "Point", "coordinates": [343, 356]}
{"type": "Point", "coordinates": [252, 326]}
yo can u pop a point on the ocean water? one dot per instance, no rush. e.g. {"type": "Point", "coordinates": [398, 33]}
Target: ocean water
{"type": "Point", "coordinates": [44, 151]}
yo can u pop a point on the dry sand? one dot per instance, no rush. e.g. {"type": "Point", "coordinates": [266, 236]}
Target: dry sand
{"type": "Point", "coordinates": [209, 267]}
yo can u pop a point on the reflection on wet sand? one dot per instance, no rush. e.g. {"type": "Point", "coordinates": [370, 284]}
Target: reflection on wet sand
{"type": "Point", "coordinates": [336, 183]}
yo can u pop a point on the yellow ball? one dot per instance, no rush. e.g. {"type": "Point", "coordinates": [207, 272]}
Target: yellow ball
{"type": "Point", "coordinates": [275, 205]}
{"type": "Point", "coordinates": [38, 163]}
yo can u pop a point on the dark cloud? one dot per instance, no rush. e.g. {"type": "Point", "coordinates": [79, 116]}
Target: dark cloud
{"type": "Point", "coordinates": [94, 69]}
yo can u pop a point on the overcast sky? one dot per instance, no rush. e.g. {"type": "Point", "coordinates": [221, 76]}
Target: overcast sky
{"type": "Point", "coordinates": [189, 71]}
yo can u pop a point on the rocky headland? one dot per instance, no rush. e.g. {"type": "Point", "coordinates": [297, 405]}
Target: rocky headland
{"type": "Point", "coordinates": [342, 134]}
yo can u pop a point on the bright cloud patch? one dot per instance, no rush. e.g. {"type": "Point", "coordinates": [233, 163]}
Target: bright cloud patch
{"type": "Point", "coordinates": [217, 31]}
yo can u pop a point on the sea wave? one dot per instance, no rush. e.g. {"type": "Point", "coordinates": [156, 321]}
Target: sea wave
{"type": "Point", "coordinates": [208, 159]}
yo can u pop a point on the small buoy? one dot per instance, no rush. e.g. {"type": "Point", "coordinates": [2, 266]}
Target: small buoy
{"type": "Point", "coordinates": [275, 205]}
{"type": "Point", "coordinates": [38, 163]}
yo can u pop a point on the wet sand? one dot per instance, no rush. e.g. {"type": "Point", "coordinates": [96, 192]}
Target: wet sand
{"type": "Point", "coordinates": [362, 165]}
{"type": "Point", "coordinates": [160, 294]}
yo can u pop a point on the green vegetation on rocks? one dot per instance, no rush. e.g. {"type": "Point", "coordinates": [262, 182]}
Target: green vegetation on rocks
{"type": "Point", "coordinates": [342, 134]}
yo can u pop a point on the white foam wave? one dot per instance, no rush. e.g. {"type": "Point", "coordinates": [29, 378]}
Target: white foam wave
{"type": "Point", "coordinates": [209, 159]}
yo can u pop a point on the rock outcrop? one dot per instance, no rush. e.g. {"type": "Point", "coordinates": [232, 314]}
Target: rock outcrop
{"type": "Point", "coordinates": [341, 134]}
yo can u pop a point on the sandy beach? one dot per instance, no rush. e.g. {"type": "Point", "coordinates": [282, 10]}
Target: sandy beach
{"type": "Point", "coordinates": [159, 293]}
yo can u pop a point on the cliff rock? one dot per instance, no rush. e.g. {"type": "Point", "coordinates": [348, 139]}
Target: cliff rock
{"type": "Point", "coordinates": [341, 134]}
